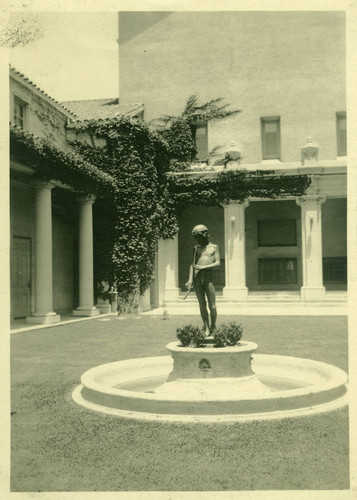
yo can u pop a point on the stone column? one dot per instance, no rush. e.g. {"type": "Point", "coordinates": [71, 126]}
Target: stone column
{"type": "Point", "coordinates": [312, 288]}
{"type": "Point", "coordinates": [43, 257]}
{"type": "Point", "coordinates": [234, 234]}
{"type": "Point", "coordinates": [86, 295]}
{"type": "Point", "coordinates": [168, 270]}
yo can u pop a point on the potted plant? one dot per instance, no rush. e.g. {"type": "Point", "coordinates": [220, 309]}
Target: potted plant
{"type": "Point", "coordinates": [102, 294]}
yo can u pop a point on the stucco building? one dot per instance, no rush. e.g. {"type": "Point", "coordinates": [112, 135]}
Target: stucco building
{"type": "Point", "coordinates": [52, 220]}
{"type": "Point", "coordinates": [285, 71]}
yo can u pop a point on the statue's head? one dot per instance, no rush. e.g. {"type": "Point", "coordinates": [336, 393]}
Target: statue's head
{"type": "Point", "coordinates": [200, 230]}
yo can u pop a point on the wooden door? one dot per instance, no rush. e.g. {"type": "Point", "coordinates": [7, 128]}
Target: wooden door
{"type": "Point", "coordinates": [21, 277]}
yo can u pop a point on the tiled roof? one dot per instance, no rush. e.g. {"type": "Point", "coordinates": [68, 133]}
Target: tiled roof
{"type": "Point", "coordinates": [96, 109]}
{"type": "Point", "coordinates": [21, 76]}
{"type": "Point", "coordinates": [89, 109]}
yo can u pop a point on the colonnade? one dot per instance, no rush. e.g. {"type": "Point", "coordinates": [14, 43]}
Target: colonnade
{"type": "Point", "coordinates": [44, 313]}
{"type": "Point", "coordinates": [235, 259]}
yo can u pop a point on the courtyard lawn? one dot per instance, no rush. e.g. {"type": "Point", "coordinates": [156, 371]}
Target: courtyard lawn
{"type": "Point", "coordinates": [58, 445]}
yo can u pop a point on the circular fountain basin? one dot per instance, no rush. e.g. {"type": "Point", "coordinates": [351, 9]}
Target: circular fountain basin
{"type": "Point", "coordinates": [169, 388]}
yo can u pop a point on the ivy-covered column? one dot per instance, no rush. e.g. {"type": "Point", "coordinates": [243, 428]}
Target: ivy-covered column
{"type": "Point", "coordinates": [43, 257]}
{"type": "Point", "coordinates": [312, 288]}
{"type": "Point", "coordinates": [86, 295]}
{"type": "Point", "coordinates": [234, 234]}
{"type": "Point", "coordinates": [168, 270]}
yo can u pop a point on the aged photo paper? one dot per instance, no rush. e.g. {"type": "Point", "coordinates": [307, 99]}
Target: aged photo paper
{"type": "Point", "coordinates": [42, 7]}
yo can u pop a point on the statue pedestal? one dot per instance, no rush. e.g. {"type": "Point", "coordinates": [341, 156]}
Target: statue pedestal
{"type": "Point", "coordinates": [212, 372]}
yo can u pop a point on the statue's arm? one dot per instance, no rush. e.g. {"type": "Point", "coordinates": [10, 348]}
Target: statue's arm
{"type": "Point", "coordinates": [190, 274]}
{"type": "Point", "coordinates": [217, 261]}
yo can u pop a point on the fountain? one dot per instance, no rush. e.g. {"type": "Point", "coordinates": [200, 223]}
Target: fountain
{"type": "Point", "coordinates": [211, 384]}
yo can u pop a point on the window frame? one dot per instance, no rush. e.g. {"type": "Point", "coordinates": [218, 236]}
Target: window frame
{"type": "Point", "coordinates": [24, 104]}
{"type": "Point", "coordinates": [341, 148]}
{"type": "Point", "coordinates": [266, 120]}
{"type": "Point", "coordinates": [201, 124]}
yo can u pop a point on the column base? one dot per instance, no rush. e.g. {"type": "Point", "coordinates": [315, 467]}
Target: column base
{"type": "Point", "coordinates": [86, 311]}
{"type": "Point", "coordinates": [235, 293]}
{"type": "Point", "coordinates": [43, 319]}
{"type": "Point", "coordinates": [312, 293]}
{"type": "Point", "coordinates": [171, 294]}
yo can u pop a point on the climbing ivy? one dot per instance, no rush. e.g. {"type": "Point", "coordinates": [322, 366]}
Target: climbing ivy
{"type": "Point", "coordinates": [142, 211]}
{"type": "Point", "coordinates": [50, 162]}
{"type": "Point", "coordinates": [238, 185]}
{"type": "Point", "coordinates": [141, 178]}
{"type": "Point", "coordinates": [149, 164]}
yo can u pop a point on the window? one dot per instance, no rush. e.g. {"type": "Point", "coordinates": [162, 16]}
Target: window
{"type": "Point", "coordinates": [201, 137]}
{"type": "Point", "coordinates": [20, 113]}
{"type": "Point", "coordinates": [270, 138]}
{"type": "Point", "coordinates": [277, 233]}
{"type": "Point", "coordinates": [335, 269]}
{"type": "Point", "coordinates": [277, 271]}
{"type": "Point", "coordinates": [341, 125]}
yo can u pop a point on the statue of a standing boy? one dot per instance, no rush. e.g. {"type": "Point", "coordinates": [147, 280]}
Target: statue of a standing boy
{"type": "Point", "coordinates": [206, 258]}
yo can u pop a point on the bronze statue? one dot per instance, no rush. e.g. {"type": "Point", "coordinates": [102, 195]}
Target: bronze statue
{"type": "Point", "coordinates": [206, 258]}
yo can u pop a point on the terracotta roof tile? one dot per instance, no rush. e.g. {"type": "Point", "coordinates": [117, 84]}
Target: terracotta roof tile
{"type": "Point", "coordinates": [88, 109]}
{"type": "Point", "coordinates": [96, 109]}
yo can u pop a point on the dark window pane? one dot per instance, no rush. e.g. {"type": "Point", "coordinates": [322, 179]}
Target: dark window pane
{"type": "Point", "coordinates": [202, 141]}
{"type": "Point", "coordinates": [335, 269]}
{"type": "Point", "coordinates": [277, 271]}
{"type": "Point", "coordinates": [277, 233]}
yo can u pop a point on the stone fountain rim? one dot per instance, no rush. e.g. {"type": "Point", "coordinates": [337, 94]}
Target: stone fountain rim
{"type": "Point", "coordinates": [338, 379]}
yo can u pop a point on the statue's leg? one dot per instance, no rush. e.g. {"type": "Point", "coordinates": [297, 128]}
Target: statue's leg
{"type": "Point", "coordinates": [200, 294]}
{"type": "Point", "coordinates": [211, 297]}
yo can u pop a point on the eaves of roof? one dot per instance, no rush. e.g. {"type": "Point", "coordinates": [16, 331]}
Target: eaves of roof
{"type": "Point", "coordinates": [17, 75]}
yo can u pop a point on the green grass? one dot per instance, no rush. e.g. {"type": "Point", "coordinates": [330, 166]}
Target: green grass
{"type": "Point", "coordinates": [58, 445]}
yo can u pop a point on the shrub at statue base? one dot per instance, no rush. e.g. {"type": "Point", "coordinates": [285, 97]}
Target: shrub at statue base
{"type": "Point", "coordinates": [228, 334]}
{"type": "Point", "coordinates": [190, 334]}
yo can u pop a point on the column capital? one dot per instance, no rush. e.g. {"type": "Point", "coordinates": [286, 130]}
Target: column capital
{"type": "Point", "coordinates": [86, 198]}
{"type": "Point", "coordinates": [310, 198]}
{"type": "Point", "coordinates": [244, 203]}
{"type": "Point", "coordinates": [38, 184]}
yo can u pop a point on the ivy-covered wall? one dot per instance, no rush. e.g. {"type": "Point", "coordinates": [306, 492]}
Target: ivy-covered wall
{"type": "Point", "coordinates": [152, 187]}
